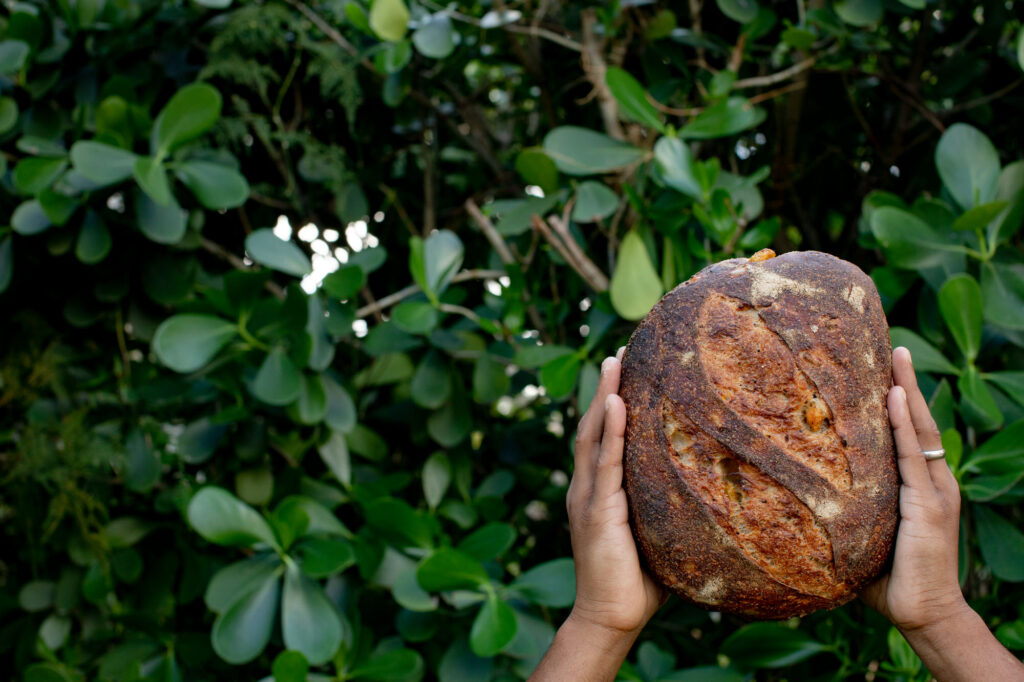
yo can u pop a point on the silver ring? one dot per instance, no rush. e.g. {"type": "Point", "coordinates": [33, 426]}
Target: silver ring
{"type": "Point", "coordinates": [934, 454]}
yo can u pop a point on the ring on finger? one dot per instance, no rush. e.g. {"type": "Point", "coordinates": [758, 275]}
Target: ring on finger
{"type": "Point", "coordinates": [934, 454]}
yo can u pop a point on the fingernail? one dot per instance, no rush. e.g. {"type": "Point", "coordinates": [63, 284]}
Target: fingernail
{"type": "Point", "coordinates": [620, 351]}
{"type": "Point", "coordinates": [608, 402]}
{"type": "Point", "coordinates": [604, 365]}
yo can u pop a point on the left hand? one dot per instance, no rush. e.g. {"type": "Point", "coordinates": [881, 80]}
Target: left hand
{"type": "Point", "coordinates": [612, 590]}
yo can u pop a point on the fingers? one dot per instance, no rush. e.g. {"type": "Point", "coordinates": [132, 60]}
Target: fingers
{"type": "Point", "coordinates": [608, 479]}
{"type": "Point", "coordinates": [588, 434]}
{"type": "Point", "coordinates": [928, 436]}
{"type": "Point", "coordinates": [911, 462]}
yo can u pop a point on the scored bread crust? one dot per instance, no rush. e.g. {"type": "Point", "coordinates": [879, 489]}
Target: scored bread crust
{"type": "Point", "coordinates": [759, 463]}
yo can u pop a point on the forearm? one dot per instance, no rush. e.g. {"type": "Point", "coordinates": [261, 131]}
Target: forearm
{"type": "Point", "coordinates": [961, 649]}
{"type": "Point", "coordinates": [584, 652]}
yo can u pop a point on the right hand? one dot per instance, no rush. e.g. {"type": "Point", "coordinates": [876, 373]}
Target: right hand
{"type": "Point", "coordinates": [922, 588]}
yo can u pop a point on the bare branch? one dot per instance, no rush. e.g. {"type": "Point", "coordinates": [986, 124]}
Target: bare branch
{"type": "Point", "coordinates": [236, 262]}
{"type": "Point", "coordinates": [594, 67]}
{"type": "Point", "coordinates": [402, 294]}
{"type": "Point", "coordinates": [487, 227]}
{"type": "Point", "coordinates": [772, 79]}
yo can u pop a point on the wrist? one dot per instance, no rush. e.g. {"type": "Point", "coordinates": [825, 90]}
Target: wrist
{"type": "Point", "coordinates": [946, 624]}
{"type": "Point", "coordinates": [584, 628]}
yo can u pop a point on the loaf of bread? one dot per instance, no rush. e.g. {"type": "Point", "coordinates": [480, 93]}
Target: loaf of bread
{"type": "Point", "coordinates": [759, 461]}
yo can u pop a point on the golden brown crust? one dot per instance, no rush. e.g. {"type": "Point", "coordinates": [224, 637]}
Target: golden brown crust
{"type": "Point", "coordinates": [759, 463]}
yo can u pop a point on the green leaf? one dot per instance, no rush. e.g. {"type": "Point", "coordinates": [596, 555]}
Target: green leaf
{"type": "Point", "coordinates": [450, 569]}
{"type": "Point", "coordinates": [1002, 545]}
{"type": "Point", "coordinates": [1002, 288]}
{"type": "Point", "coordinates": [960, 305]}
{"type": "Point", "coordinates": [552, 583]}
{"type": "Point", "coordinates": [926, 357]}
{"type": "Point", "coordinates": [431, 386]}
{"type": "Point", "coordinates": [36, 595]}
{"type": "Point", "coordinates": [1010, 189]}
{"type": "Point", "coordinates": [968, 165]}
{"type": "Point", "coordinates": [215, 186]}
{"type": "Point", "coordinates": [415, 317]}
{"type": "Point", "coordinates": [979, 216]}
{"type": "Point", "coordinates": [34, 174]}
{"type": "Point", "coordinates": [199, 440]}
{"type": "Point", "coordinates": [490, 381]}
{"type": "Point", "coordinates": [239, 579]}
{"type": "Point", "coordinates": [185, 343]}
{"type": "Point", "coordinates": [398, 524]}
{"type": "Point", "coordinates": [859, 12]}
{"type": "Point", "coordinates": [191, 112]}
{"type": "Point", "coordinates": [309, 623]}
{"type": "Point", "coordinates": [93, 242]}
{"type": "Point", "coordinates": [769, 645]}
{"type": "Point", "coordinates": [152, 178]}
{"type": "Point", "coordinates": [243, 630]}
{"type": "Point", "coordinates": [47, 672]}
{"type": "Point", "coordinates": [341, 411]}
{"type": "Point", "coordinates": [1012, 383]}
{"type": "Point", "coordinates": [323, 557]}
{"type": "Point", "coordinates": [434, 261]}
{"type": "Point", "coordinates": [264, 247]}
{"type": "Point", "coordinates": [977, 406]}
{"type": "Point", "coordinates": [13, 54]}
{"type": "Point", "coordinates": [675, 163]}
{"type": "Point", "coordinates": [594, 201]}
{"type": "Point", "coordinates": [743, 11]}
{"type": "Point", "coordinates": [705, 673]}
{"type": "Point", "coordinates": [58, 208]}
{"type": "Point", "coordinates": [384, 666]}
{"type": "Point", "coordinates": [102, 163]}
{"type": "Point", "coordinates": [345, 282]}
{"type": "Point", "coordinates": [6, 262]}
{"type": "Point", "coordinates": [726, 118]}
{"type": "Point", "coordinates": [161, 224]}
{"type": "Point", "coordinates": [335, 455]}
{"type": "Point", "coordinates": [558, 376]}
{"type": "Point", "coordinates": [488, 542]}
{"type": "Point", "coordinates": [29, 219]}
{"type": "Point", "coordinates": [908, 241]}
{"type": "Point", "coordinates": [632, 98]}
{"type": "Point", "coordinates": [1003, 452]}
{"type": "Point", "coordinates": [635, 285]}
{"type": "Point", "coordinates": [277, 382]}
{"type": "Point", "coordinates": [222, 518]}
{"type": "Point", "coordinates": [536, 168]}
{"type": "Point", "coordinates": [459, 663]}
{"type": "Point", "coordinates": [389, 19]}
{"type": "Point", "coordinates": [289, 666]}
{"type": "Point", "coordinates": [437, 476]}
{"type": "Point", "coordinates": [255, 486]}
{"type": "Point", "coordinates": [581, 151]}
{"type": "Point", "coordinates": [493, 628]}
{"type": "Point", "coordinates": [311, 405]}
{"type": "Point", "coordinates": [1020, 48]}
{"type": "Point", "coordinates": [435, 38]}
{"type": "Point", "coordinates": [515, 216]}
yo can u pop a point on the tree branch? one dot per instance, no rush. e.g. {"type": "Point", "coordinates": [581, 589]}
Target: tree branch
{"type": "Point", "coordinates": [402, 294]}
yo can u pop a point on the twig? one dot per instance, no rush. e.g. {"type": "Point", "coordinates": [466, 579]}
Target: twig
{"type": "Point", "coordinates": [585, 268]}
{"type": "Point", "coordinates": [594, 67]}
{"type": "Point", "coordinates": [772, 79]}
{"type": "Point", "coordinates": [330, 32]}
{"type": "Point", "coordinates": [487, 227]}
{"type": "Point", "coordinates": [371, 302]}
{"type": "Point", "coordinates": [593, 273]}
{"type": "Point", "coordinates": [392, 196]}
{"type": "Point", "coordinates": [772, 94]}
{"type": "Point", "coordinates": [222, 253]}
{"type": "Point", "coordinates": [538, 32]}
{"type": "Point", "coordinates": [985, 99]}
{"type": "Point", "coordinates": [412, 289]}
{"type": "Point", "coordinates": [126, 363]}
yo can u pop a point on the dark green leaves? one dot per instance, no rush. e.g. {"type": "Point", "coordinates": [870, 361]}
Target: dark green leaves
{"type": "Point", "coordinates": [1002, 545]}
{"type": "Point", "coordinates": [632, 98]}
{"type": "Point", "coordinates": [309, 623]}
{"type": "Point", "coordinates": [243, 630]}
{"type": "Point", "coordinates": [222, 518]}
{"type": "Point", "coordinates": [187, 342]}
{"type": "Point", "coordinates": [101, 162]}
{"type": "Point", "coordinates": [6, 262]}
{"type": "Point", "coordinates": [968, 165]}
{"type": "Point", "coordinates": [264, 247]}
{"type": "Point", "coordinates": [675, 163]}
{"type": "Point", "coordinates": [909, 242]}
{"type": "Point", "coordinates": [449, 569]}
{"type": "Point", "coordinates": [493, 628]}
{"type": "Point", "coordinates": [960, 304]}
{"type": "Point", "coordinates": [726, 118]}
{"type": "Point", "coordinates": [163, 224]}
{"type": "Point", "coordinates": [434, 261]}
{"type": "Point", "coordinates": [769, 645]}
{"type": "Point", "coordinates": [191, 112]}
{"type": "Point", "coordinates": [551, 584]}
{"type": "Point", "coordinates": [743, 11]}
{"type": "Point", "coordinates": [215, 186]}
{"type": "Point", "coordinates": [926, 357]}
{"type": "Point", "coordinates": [580, 151]}
{"type": "Point", "coordinates": [1002, 288]}
{"type": "Point", "coordinates": [277, 382]}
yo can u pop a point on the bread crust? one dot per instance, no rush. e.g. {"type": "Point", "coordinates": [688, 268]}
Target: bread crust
{"type": "Point", "coordinates": [759, 462]}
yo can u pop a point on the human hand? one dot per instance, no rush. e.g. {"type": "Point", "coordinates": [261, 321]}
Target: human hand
{"type": "Point", "coordinates": [922, 588]}
{"type": "Point", "coordinates": [612, 590]}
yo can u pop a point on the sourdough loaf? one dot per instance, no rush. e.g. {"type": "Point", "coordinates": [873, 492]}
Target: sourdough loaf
{"type": "Point", "coordinates": [759, 463]}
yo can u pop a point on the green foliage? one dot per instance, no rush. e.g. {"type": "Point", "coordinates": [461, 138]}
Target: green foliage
{"type": "Point", "coordinates": [304, 300]}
